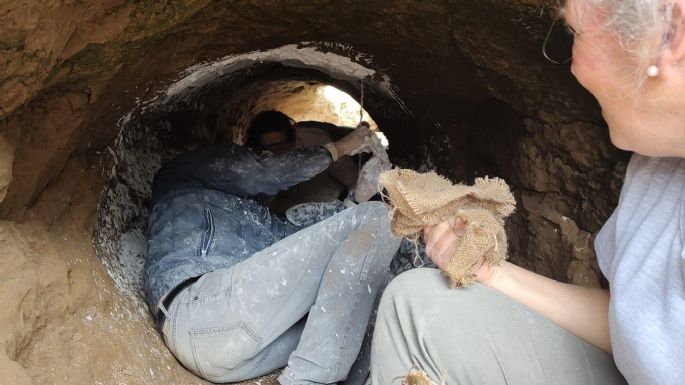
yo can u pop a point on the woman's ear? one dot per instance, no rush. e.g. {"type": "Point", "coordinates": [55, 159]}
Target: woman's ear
{"type": "Point", "coordinates": [674, 49]}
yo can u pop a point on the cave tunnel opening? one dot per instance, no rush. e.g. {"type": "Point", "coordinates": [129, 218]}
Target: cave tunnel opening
{"type": "Point", "coordinates": [212, 107]}
{"type": "Point", "coordinates": [215, 103]}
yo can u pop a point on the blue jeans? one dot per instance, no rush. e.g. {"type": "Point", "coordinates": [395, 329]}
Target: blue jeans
{"type": "Point", "coordinates": [303, 302]}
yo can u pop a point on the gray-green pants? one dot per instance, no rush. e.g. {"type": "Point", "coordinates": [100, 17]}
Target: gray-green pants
{"type": "Point", "coordinates": [476, 336]}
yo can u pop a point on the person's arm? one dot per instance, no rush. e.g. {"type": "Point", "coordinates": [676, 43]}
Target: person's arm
{"type": "Point", "coordinates": [240, 171]}
{"type": "Point", "coordinates": [580, 310]}
{"type": "Point", "coordinates": [252, 173]}
{"type": "Point", "coordinates": [243, 172]}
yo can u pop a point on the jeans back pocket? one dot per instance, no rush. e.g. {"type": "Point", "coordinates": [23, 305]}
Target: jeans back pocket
{"type": "Point", "coordinates": [221, 350]}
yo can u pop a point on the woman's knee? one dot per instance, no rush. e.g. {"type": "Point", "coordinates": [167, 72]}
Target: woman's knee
{"type": "Point", "coordinates": [419, 313]}
{"type": "Point", "coordinates": [414, 282]}
{"type": "Point", "coordinates": [407, 291]}
{"type": "Point", "coordinates": [423, 290]}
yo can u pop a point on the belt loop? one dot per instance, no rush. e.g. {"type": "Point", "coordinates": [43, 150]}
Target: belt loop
{"type": "Point", "coordinates": [162, 317]}
{"type": "Point", "coordinates": [164, 310]}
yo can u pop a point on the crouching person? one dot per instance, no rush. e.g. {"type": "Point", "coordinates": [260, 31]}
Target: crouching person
{"type": "Point", "coordinates": [238, 291]}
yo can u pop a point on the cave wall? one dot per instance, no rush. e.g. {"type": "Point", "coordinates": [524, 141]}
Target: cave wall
{"type": "Point", "coordinates": [473, 96]}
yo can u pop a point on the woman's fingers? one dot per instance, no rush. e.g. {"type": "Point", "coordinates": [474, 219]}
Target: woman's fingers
{"type": "Point", "coordinates": [446, 246]}
{"type": "Point", "coordinates": [442, 239]}
{"type": "Point", "coordinates": [433, 236]}
{"type": "Point", "coordinates": [458, 224]}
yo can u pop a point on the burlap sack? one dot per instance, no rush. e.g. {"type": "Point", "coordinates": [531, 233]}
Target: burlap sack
{"type": "Point", "coordinates": [418, 377]}
{"type": "Point", "coordinates": [428, 199]}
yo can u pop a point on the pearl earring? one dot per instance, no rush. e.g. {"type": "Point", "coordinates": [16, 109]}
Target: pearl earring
{"type": "Point", "coordinates": [652, 71]}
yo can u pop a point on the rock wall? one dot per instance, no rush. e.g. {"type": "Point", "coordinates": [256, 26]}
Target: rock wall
{"type": "Point", "coordinates": [458, 85]}
{"type": "Point", "coordinates": [62, 320]}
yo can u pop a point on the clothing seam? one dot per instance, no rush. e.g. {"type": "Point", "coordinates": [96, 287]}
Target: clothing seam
{"type": "Point", "coordinates": [209, 331]}
{"type": "Point", "coordinates": [212, 229]}
{"type": "Point", "coordinates": [203, 300]}
{"type": "Point", "coordinates": [260, 362]}
{"type": "Point", "coordinates": [208, 234]}
{"type": "Point", "coordinates": [173, 325]}
{"type": "Point", "coordinates": [195, 357]}
{"type": "Point", "coordinates": [226, 327]}
{"type": "Point", "coordinates": [356, 296]}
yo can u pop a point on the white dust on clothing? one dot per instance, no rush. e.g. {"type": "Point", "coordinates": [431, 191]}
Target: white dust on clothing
{"type": "Point", "coordinates": [367, 182]}
{"type": "Point", "coordinates": [137, 153]}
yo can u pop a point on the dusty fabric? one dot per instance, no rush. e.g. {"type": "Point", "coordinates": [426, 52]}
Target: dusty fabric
{"type": "Point", "coordinates": [417, 377]}
{"type": "Point", "coordinates": [427, 199]}
{"type": "Point", "coordinates": [641, 251]}
{"type": "Point", "coordinates": [476, 335]}
{"type": "Point", "coordinates": [307, 214]}
{"type": "Point", "coordinates": [245, 321]}
{"type": "Point", "coordinates": [334, 183]}
{"type": "Point", "coordinates": [205, 214]}
{"type": "Point", "coordinates": [367, 183]}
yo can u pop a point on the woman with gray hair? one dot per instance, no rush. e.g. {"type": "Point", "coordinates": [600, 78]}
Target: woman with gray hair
{"type": "Point", "coordinates": [518, 327]}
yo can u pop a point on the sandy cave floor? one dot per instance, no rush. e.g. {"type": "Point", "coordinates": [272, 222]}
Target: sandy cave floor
{"type": "Point", "coordinates": [63, 319]}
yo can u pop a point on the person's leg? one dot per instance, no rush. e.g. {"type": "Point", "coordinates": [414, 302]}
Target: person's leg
{"type": "Point", "coordinates": [476, 336]}
{"type": "Point", "coordinates": [359, 372]}
{"type": "Point", "coordinates": [228, 352]}
{"type": "Point", "coordinates": [237, 323]}
{"type": "Point", "coordinates": [338, 319]}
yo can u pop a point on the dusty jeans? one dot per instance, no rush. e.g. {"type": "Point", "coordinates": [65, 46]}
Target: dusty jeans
{"type": "Point", "coordinates": [305, 301]}
{"type": "Point", "coordinates": [476, 336]}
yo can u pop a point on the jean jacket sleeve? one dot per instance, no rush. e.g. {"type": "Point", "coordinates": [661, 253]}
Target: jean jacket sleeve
{"type": "Point", "coordinates": [240, 171]}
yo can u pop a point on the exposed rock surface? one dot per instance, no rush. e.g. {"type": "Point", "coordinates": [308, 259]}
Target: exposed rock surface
{"type": "Point", "coordinates": [86, 117]}
{"type": "Point", "coordinates": [62, 321]}
{"type": "Point", "coordinates": [6, 160]}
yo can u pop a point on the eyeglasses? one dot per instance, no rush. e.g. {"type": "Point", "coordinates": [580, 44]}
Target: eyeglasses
{"type": "Point", "coordinates": [558, 44]}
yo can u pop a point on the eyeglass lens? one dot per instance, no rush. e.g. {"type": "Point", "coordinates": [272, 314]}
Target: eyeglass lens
{"type": "Point", "coordinates": [558, 45]}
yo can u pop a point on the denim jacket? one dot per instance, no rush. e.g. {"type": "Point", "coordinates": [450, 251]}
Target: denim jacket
{"type": "Point", "coordinates": [204, 214]}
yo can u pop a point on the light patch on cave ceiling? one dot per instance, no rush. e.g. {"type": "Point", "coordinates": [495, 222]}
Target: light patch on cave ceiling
{"type": "Point", "coordinates": [348, 110]}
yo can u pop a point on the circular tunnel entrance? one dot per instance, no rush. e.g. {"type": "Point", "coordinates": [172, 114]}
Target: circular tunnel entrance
{"type": "Point", "coordinates": [215, 103]}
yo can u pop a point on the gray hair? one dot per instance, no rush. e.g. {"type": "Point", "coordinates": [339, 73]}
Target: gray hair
{"type": "Point", "coordinates": [636, 23]}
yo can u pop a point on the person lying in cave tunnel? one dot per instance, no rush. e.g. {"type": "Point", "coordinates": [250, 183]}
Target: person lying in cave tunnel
{"type": "Point", "coordinates": [519, 327]}
{"type": "Point", "coordinates": [238, 291]}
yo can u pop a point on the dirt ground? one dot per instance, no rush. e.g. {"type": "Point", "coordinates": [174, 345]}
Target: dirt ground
{"type": "Point", "coordinates": [62, 321]}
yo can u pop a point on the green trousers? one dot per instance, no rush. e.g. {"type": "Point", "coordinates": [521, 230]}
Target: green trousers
{"type": "Point", "coordinates": [474, 336]}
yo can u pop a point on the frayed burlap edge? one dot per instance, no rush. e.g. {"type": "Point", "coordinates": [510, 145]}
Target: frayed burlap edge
{"type": "Point", "coordinates": [418, 199]}
{"type": "Point", "coordinates": [419, 377]}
